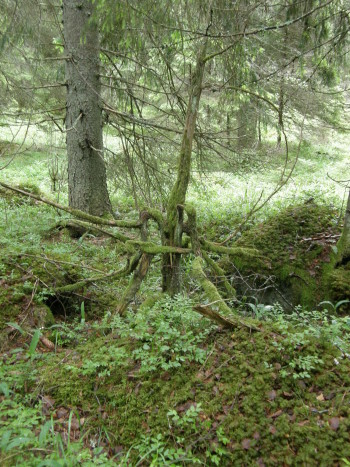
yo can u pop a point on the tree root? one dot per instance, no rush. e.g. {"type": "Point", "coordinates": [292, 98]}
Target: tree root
{"type": "Point", "coordinates": [214, 296]}
{"type": "Point", "coordinates": [127, 269]}
{"type": "Point", "coordinates": [135, 282]}
{"type": "Point", "coordinates": [209, 288]}
{"type": "Point", "coordinates": [192, 228]}
{"type": "Point", "coordinates": [233, 251]}
{"type": "Point", "coordinates": [153, 248]}
{"type": "Point", "coordinates": [231, 292]}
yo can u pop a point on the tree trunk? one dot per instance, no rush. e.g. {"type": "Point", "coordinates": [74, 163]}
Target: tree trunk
{"type": "Point", "coordinates": [280, 113]}
{"type": "Point", "coordinates": [247, 126]}
{"type": "Point", "coordinates": [87, 184]}
{"type": "Point", "coordinates": [344, 241]}
{"type": "Point", "coordinates": [173, 230]}
{"type": "Point", "coordinates": [281, 96]}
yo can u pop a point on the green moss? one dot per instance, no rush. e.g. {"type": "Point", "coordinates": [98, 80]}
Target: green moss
{"type": "Point", "coordinates": [30, 188]}
{"type": "Point", "coordinates": [154, 249]}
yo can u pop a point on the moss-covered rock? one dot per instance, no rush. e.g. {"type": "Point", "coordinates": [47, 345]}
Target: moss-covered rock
{"type": "Point", "coordinates": [296, 245]}
{"type": "Point", "coordinates": [43, 316]}
{"type": "Point", "coordinates": [339, 284]}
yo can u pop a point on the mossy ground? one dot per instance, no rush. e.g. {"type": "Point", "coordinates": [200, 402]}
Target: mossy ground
{"type": "Point", "coordinates": [263, 417]}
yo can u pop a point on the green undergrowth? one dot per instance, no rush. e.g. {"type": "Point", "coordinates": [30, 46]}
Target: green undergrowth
{"type": "Point", "coordinates": [166, 387]}
{"type": "Point", "coordinates": [163, 385]}
{"type": "Point", "coordinates": [224, 199]}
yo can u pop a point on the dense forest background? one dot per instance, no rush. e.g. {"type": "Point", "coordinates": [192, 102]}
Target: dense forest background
{"type": "Point", "coordinates": [175, 232]}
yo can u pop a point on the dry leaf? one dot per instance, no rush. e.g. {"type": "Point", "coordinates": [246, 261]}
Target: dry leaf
{"type": "Point", "coordinates": [246, 443]}
{"type": "Point", "coordinates": [61, 412]}
{"type": "Point", "coordinates": [276, 414]}
{"type": "Point", "coordinates": [334, 423]}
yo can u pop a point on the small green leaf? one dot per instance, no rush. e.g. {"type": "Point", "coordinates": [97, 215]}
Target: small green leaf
{"type": "Point", "coordinates": [5, 439]}
{"type": "Point", "coordinates": [34, 342]}
{"type": "Point", "coordinates": [44, 432]}
{"type": "Point", "coordinates": [17, 327]}
{"type": "Point", "coordinates": [4, 389]}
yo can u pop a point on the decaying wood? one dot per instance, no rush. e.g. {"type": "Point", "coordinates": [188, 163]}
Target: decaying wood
{"type": "Point", "coordinates": [49, 344]}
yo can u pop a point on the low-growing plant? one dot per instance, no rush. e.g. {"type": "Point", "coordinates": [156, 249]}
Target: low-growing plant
{"type": "Point", "coordinates": [155, 451]}
{"type": "Point", "coordinates": [158, 450]}
{"type": "Point", "coordinates": [164, 337]}
{"type": "Point", "coordinates": [300, 328]}
{"type": "Point", "coordinates": [168, 334]}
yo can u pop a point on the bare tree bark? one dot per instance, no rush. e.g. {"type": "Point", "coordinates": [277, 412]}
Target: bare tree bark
{"type": "Point", "coordinates": [86, 167]}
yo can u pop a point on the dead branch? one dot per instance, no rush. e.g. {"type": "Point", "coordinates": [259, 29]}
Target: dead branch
{"type": "Point", "coordinates": [70, 223]}
{"type": "Point", "coordinates": [227, 323]}
{"type": "Point", "coordinates": [127, 269]}
{"type": "Point", "coordinates": [76, 212]}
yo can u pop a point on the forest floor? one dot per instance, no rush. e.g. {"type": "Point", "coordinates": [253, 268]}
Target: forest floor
{"type": "Point", "coordinates": [79, 385]}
